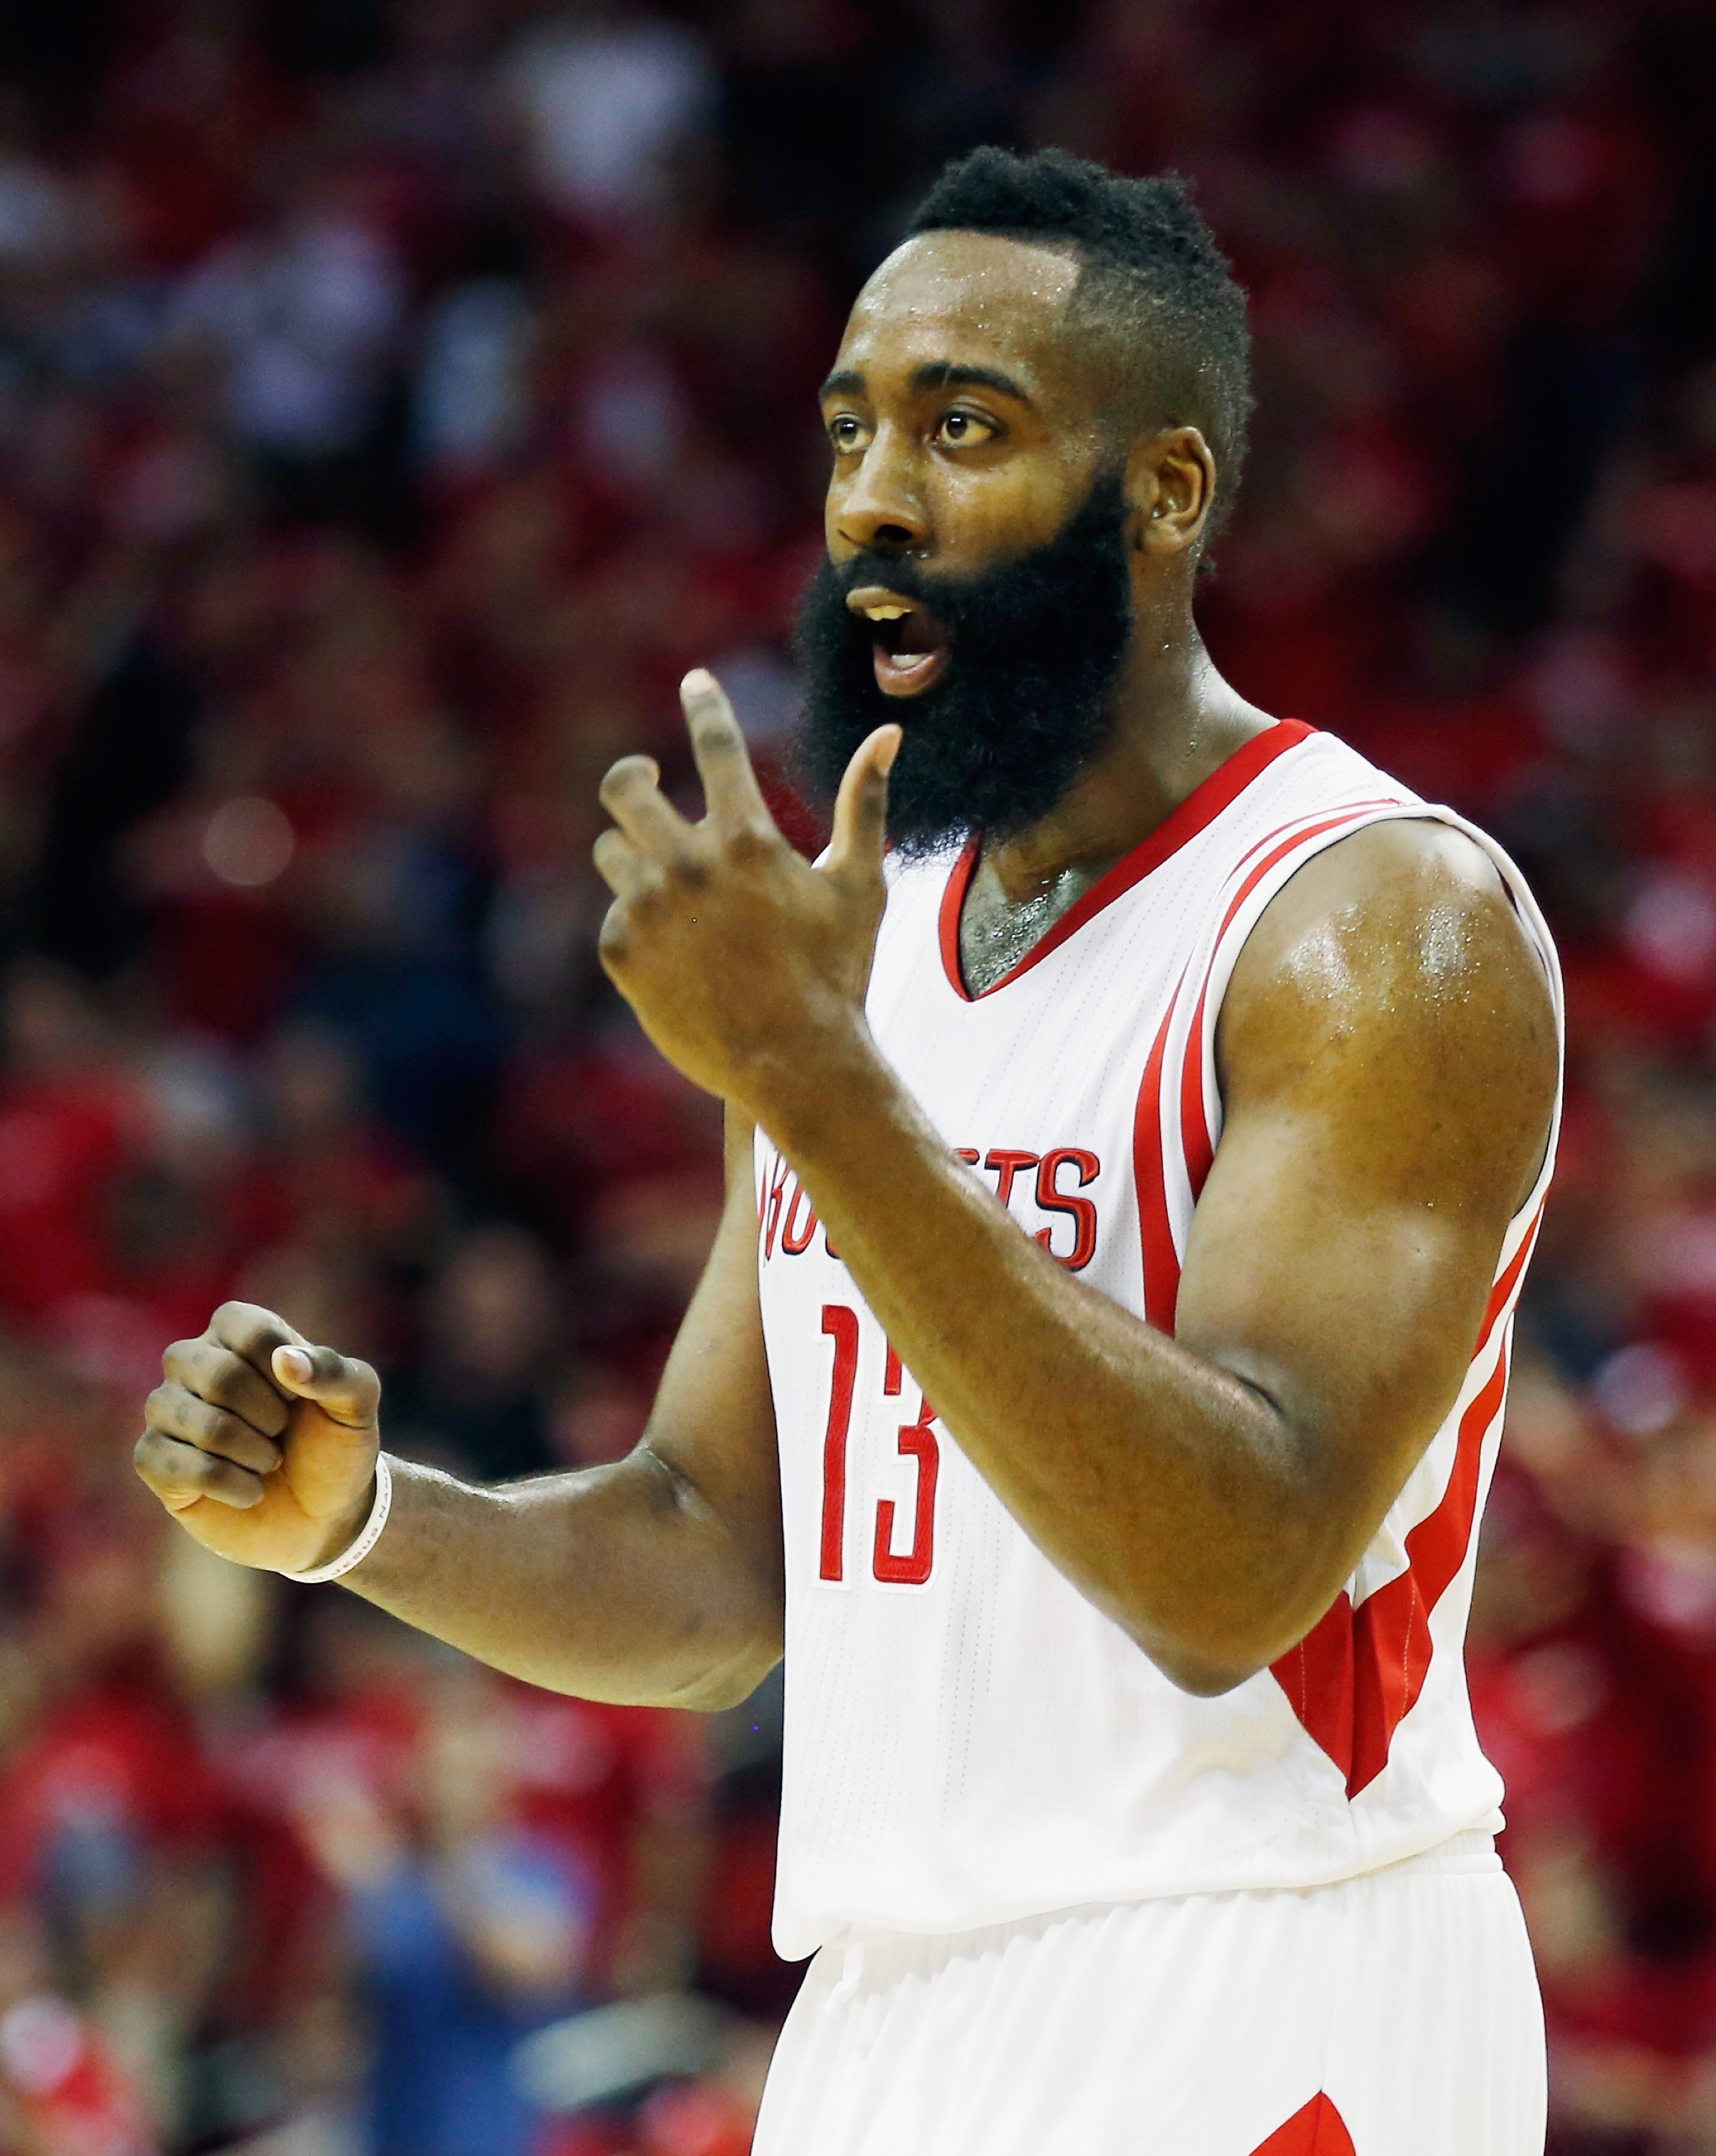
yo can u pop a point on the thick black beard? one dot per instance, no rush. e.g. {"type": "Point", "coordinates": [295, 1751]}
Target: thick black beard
{"type": "Point", "coordinates": [1035, 649]}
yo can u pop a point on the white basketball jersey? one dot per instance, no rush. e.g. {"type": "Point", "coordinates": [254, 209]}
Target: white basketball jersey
{"type": "Point", "coordinates": [968, 1741]}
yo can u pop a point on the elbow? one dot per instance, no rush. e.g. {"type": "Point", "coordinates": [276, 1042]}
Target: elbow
{"type": "Point", "coordinates": [1198, 1661]}
{"type": "Point", "coordinates": [728, 1683]}
{"type": "Point", "coordinates": [1204, 1678]}
{"type": "Point", "coordinates": [1206, 1659]}
{"type": "Point", "coordinates": [1215, 1634]}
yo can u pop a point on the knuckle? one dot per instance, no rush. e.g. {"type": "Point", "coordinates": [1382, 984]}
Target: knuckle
{"type": "Point", "coordinates": [224, 1382]}
{"type": "Point", "coordinates": [213, 1425]}
{"type": "Point", "coordinates": [750, 846]}
{"type": "Point", "coordinates": [692, 872]}
{"type": "Point", "coordinates": [719, 741]}
{"type": "Point", "coordinates": [164, 1465]}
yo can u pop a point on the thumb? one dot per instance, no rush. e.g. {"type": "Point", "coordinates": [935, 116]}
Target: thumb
{"type": "Point", "coordinates": [346, 1390]}
{"type": "Point", "coordinates": [860, 828]}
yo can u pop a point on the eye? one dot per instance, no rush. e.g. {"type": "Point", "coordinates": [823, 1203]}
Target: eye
{"type": "Point", "coordinates": [847, 434]}
{"type": "Point", "coordinates": [964, 430]}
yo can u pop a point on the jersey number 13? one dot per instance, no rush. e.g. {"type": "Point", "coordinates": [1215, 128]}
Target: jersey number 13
{"type": "Point", "coordinates": [917, 1442]}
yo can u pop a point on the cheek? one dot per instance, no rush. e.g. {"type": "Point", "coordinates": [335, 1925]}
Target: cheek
{"type": "Point", "coordinates": [983, 514]}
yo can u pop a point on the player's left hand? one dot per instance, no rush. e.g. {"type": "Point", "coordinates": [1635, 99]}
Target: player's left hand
{"type": "Point", "coordinates": [739, 959]}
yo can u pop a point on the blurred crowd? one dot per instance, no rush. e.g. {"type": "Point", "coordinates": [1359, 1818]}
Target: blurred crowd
{"type": "Point", "coordinates": [394, 400]}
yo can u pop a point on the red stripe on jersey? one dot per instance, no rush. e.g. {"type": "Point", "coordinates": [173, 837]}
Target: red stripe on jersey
{"type": "Point", "coordinates": [1193, 1109]}
{"type": "Point", "coordinates": [1161, 1259]}
{"type": "Point", "coordinates": [1317, 2130]}
{"type": "Point", "coordinates": [1200, 807]}
{"type": "Point", "coordinates": [1501, 1293]}
{"type": "Point", "coordinates": [1195, 1139]}
{"type": "Point", "coordinates": [1357, 1675]}
{"type": "Point", "coordinates": [1282, 830]}
{"type": "Point", "coordinates": [1349, 814]}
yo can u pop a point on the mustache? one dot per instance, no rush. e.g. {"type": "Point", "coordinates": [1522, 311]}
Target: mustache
{"type": "Point", "coordinates": [943, 596]}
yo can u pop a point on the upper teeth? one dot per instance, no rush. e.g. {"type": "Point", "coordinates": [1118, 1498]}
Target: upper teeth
{"type": "Point", "coordinates": [888, 613]}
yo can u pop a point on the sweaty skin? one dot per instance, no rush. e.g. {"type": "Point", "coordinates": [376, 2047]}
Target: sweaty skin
{"type": "Point", "coordinates": [1387, 1059]}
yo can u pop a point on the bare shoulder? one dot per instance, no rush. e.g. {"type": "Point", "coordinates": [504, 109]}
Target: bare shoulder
{"type": "Point", "coordinates": [1392, 978]}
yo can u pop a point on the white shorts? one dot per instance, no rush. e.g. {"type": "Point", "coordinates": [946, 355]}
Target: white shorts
{"type": "Point", "coordinates": [1395, 2014]}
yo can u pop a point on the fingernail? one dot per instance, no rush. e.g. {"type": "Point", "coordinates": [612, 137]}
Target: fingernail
{"type": "Point", "coordinates": [291, 1362]}
{"type": "Point", "coordinates": [696, 682]}
{"type": "Point", "coordinates": [885, 760]}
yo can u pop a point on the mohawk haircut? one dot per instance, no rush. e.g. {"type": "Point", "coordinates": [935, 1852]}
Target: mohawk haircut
{"type": "Point", "coordinates": [1154, 287]}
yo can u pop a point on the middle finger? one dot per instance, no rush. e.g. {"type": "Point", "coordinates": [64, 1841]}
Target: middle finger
{"type": "Point", "coordinates": [631, 793]}
{"type": "Point", "coordinates": [178, 1412]}
{"type": "Point", "coordinates": [226, 1380]}
{"type": "Point", "coordinates": [627, 873]}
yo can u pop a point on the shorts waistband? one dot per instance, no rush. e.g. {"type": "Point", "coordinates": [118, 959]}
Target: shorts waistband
{"type": "Point", "coordinates": [1471, 1854]}
{"type": "Point", "coordinates": [1472, 1851]}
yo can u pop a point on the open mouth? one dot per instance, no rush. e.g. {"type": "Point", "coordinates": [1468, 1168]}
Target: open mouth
{"type": "Point", "coordinates": [908, 646]}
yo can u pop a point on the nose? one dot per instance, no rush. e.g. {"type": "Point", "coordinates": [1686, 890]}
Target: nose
{"type": "Point", "coordinates": [880, 510]}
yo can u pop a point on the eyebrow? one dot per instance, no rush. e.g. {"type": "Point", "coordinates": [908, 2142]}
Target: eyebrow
{"type": "Point", "coordinates": [933, 374]}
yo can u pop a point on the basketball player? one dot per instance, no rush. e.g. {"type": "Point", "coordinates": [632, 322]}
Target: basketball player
{"type": "Point", "coordinates": [1096, 1378]}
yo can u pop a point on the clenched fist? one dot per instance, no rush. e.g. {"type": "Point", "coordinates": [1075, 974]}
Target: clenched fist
{"type": "Point", "coordinates": [261, 1445]}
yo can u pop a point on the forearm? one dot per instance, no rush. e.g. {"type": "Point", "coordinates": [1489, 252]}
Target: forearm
{"type": "Point", "coordinates": [614, 1583]}
{"type": "Point", "coordinates": [1171, 1492]}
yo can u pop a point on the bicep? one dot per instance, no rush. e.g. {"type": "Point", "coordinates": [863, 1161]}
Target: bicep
{"type": "Point", "coordinates": [1389, 1067]}
{"type": "Point", "coordinates": [713, 1420]}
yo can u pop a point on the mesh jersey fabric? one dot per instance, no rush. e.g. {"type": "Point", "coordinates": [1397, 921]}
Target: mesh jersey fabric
{"type": "Point", "coordinates": [968, 1741]}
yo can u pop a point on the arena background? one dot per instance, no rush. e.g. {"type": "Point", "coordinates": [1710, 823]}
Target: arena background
{"type": "Point", "coordinates": [394, 399]}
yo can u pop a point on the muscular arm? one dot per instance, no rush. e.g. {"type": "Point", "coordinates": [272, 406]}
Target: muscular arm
{"type": "Point", "coordinates": [1387, 1056]}
{"type": "Point", "coordinates": [655, 1581]}
{"type": "Point", "coordinates": [1388, 1062]}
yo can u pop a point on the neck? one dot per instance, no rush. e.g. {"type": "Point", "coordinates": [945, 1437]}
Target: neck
{"type": "Point", "coordinates": [1176, 721]}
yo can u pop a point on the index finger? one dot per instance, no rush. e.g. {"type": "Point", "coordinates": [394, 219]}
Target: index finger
{"type": "Point", "coordinates": [718, 745]}
{"type": "Point", "coordinates": [253, 1333]}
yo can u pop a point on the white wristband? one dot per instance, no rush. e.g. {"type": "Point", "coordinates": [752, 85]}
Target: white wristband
{"type": "Point", "coordinates": [367, 1541]}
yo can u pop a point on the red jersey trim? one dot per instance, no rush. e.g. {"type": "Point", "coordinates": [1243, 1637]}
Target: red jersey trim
{"type": "Point", "coordinates": [1161, 1257]}
{"type": "Point", "coordinates": [1193, 1112]}
{"type": "Point", "coordinates": [1200, 807]}
{"type": "Point", "coordinates": [1150, 1184]}
{"type": "Point", "coordinates": [1317, 2130]}
{"type": "Point", "coordinates": [1356, 1676]}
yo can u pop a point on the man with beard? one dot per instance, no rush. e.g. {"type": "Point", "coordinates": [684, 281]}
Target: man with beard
{"type": "Point", "coordinates": [1102, 1359]}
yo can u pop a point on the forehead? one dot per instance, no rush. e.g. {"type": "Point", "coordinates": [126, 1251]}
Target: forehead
{"type": "Point", "coordinates": [969, 299]}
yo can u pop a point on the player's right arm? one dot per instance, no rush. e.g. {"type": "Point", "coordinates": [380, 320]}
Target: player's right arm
{"type": "Point", "coordinates": [655, 1581]}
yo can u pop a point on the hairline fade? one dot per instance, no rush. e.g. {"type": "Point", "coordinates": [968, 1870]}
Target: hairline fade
{"type": "Point", "coordinates": [1153, 287]}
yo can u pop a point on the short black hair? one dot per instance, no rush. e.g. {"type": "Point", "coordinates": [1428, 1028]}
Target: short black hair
{"type": "Point", "coordinates": [1153, 282]}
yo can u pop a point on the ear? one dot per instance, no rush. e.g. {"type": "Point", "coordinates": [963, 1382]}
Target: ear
{"type": "Point", "coordinates": [1170, 484]}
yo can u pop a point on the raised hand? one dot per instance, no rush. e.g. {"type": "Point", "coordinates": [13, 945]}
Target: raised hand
{"type": "Point", "coordinates": [260, 1444]}
{"type": "Point", "coordinates": [736, 954]}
